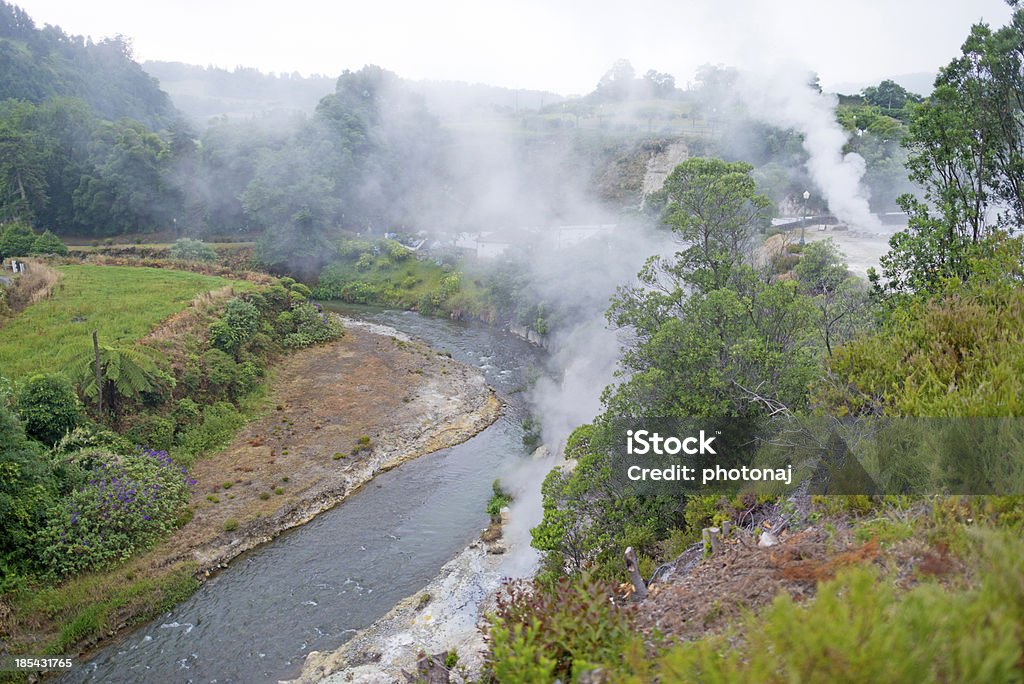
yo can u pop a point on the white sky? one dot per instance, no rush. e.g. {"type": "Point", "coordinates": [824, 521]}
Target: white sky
{"type": "Point", "coordinates": [546, 44]}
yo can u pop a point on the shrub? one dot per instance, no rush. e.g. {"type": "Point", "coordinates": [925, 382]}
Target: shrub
{"type": "Point", "coordinates": [539, 635]}
{"type": "Point", "coordinates": [48, 243]}
{"type": "Point", "coordinates": [26, 491]}
{"type": "Point", "coordinates": [92, 436]}
{"type": "Point", "coordinates": [186, 412]}
{"type": "Point", "coordinates": [127, 504]}
{"type": "Point", "coordinates": [48, 407]}
{"type": "Point", "coordinates": [156, 431]}
{"type": "Point", "coordinates": [931, 634]}
{"type": "Point", "coordinates": [188, 249]}
{"type": "Point", "coordinates": [350, 250]}
{"type": "Point", "coordinates": [230, 525]}
{"type": "Point", "coordinates": [395, 250]}
{"type": "Point", "coordinates": [236, 326]}
{"type": "Point", "coordinates": [225, 377]}
{"type": "Point", "coordinates": [17, 240]}
{"type": "Point", "coordinates": [365, 262]}
{"type": "Point", "coordinates": [451, 284]}
{"type": "Point", "coordinates": [220, 422]}
{"type": "Point", "coordinates": [499, 499]}
{"type": "Point", "coordinates": [311, 326]}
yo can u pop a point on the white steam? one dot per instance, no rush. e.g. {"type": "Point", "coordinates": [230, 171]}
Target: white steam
{"type": "Point", "coordinates": [584, 355]}
{"type": "Point", "coordinates": [785, 99]}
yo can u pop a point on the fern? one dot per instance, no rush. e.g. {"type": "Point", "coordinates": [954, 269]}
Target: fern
{"type": "Point", "coordinates": [129, 371]}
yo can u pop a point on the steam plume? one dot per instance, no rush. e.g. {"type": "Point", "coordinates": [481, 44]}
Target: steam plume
{"type": "Point", "coordinates": [785, 98]}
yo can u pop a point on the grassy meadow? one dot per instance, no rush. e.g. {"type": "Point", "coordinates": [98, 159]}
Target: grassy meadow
{"type": "Point", "coordinates": [122, 303]}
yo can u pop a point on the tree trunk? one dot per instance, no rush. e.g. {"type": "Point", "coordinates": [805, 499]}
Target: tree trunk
{"type": "Point", "coordinates": [99, 375]}
{"type": "Point", "coordinates": [639, 586]}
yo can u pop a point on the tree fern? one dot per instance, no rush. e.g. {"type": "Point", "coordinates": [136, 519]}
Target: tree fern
{"type": "Point", "coordinates": [127, 372]}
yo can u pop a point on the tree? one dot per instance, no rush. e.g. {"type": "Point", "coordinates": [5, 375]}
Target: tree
{"type": "Point", "coordinates": [713, 207]}
{"type": "Point", "coordinates": [48, 243]}
{"type": "Point", "coordinates": [660, 85]}
{"type": "Point", "coordinates": [707, 326]}
{"type": "Point", "coordinates": [889, 95]}
{"type": "Point", "coordinates": [618, 82]}
{"type": "Point", "coordinates": [17, 240]}
{"type": "Point", "coordinates": [22, 171]}
{"type": "Point", "coordinates": [48, 407]}
{"type": "Point", "coordinates": [840, 300]}
{"type": "Point", "coordinates": [125, 373]}
{"type": "Point", "coordinates": [966, 149]}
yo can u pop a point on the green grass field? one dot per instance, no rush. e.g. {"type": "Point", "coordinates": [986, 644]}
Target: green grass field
{"type": "Point", "coordinates": [122, 303]}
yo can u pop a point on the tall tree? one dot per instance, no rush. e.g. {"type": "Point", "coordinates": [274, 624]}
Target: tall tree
{"type": "Point", "coordinates": [966, 149]}
{"type": "Point", "coordinates": [714, 209]}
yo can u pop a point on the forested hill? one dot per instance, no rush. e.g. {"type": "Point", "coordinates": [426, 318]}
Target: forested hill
{"type": "Point", "coordinates": [206, 94]}
{"type": "Point", "coordinates": [203, 93]}
{"type": "Point", "coordinates": [38, 64]}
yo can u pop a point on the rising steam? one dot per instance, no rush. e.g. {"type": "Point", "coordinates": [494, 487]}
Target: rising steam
{"type": "Point", "coordinates": [785, 98]}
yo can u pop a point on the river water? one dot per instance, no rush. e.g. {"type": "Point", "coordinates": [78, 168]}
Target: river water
{"type": "Point", "coordinates": [313, 587]}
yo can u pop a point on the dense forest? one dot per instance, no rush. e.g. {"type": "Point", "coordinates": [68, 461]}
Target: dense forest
{"type": "Point", "coordinates": [94, 149]}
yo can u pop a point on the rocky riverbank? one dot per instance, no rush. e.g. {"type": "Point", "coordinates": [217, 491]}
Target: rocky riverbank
{"type": "Point", "coordinates": [337, 416]}
{"type": "Point", "coordinates": [444, 616]}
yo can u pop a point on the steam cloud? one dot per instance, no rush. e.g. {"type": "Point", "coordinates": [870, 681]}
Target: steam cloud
{"type": "Point", "coordinates": [784, 98]}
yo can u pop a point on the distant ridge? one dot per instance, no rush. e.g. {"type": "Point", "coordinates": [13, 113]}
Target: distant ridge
{"type": "Point", "coordinates": [40, 64]}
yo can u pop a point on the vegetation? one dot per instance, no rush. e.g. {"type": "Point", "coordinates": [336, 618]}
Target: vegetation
{"type": "Point", "coordinates": [79, 497]}
{"type": "Point", "coordinates": [122, 304]}
{"type": "Point", "coordinates": [389, 274]}
{"type": "Point", "coordinates": [188, 249]}
{"type": "Point", "coordinates": [858, 628]}
{"type": "Point", "coordinates": [49, 408]}
{"type": "Point", "coordinates": [499, 499]}
{"type": "Point", "coordinates": [19, 240]}
{"type": "Point", "coordinates": [45, 63]}
{"type": "Point", "coordinates": [90, 147]}
{"type": "Point", "coordinates": [720, 339]}
{"type": "Point", "coordinates": [125, 504]}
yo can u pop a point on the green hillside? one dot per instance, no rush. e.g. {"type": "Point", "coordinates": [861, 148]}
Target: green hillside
{"type": "Point", "coordinates": [122, 304]}
{"type": "Point", "coordinates": [40, 64]}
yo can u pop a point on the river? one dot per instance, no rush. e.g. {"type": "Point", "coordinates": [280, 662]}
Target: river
{"type": "Point", "coordinates": [313, 587]}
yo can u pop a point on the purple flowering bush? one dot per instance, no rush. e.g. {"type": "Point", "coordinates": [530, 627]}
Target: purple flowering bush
{"type": "Point", "coordinates": [126, 504]}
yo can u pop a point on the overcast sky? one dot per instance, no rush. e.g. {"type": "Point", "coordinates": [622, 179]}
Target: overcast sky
{"type": "Point", "coordinates": [547, 44]}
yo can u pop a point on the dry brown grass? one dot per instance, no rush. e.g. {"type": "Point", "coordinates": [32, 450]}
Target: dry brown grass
{"type": "Point", "coordinates": [34, 285]}
{"type": "Point", "coordinates": [189, 320]}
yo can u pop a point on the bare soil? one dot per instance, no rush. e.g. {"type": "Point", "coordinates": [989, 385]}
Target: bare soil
{"type": "Point", "coordinates": [744, 576]}
{"type": "Point", "coordinates": [304, 455]}
{"type": "Point", "coordinates": [718, 590]}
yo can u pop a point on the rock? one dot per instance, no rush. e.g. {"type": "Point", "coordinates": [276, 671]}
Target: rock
{"type": "Point", "coordinates": [767, 539]}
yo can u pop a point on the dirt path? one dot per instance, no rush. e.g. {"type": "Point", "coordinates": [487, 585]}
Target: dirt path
{"type": "Point", "coordinates": [310, 450]}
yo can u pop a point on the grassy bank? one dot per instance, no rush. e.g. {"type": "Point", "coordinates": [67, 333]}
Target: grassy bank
{"type": "Point", "coordinates": [387, 274]}
{"type": "Point", "coordinates": [71, 575]}
{"type": "Point", "coordinates": [123, 304]}
{"type": "Point", "coordinates": [91, 606]}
